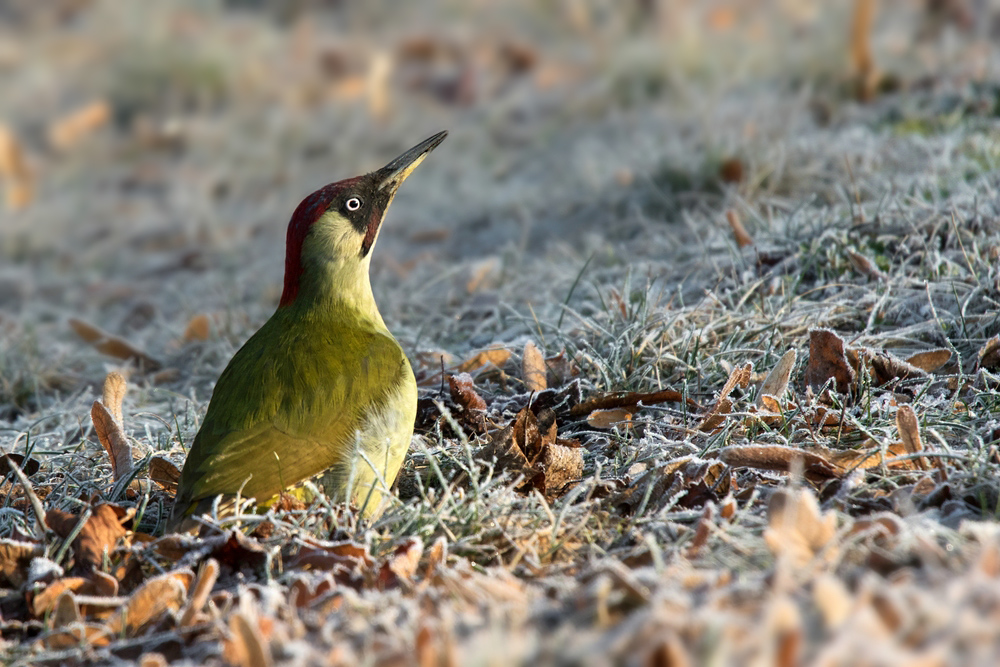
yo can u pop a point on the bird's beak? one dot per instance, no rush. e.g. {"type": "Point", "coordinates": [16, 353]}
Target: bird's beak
{"type": "Point", "coordinates": [393, 174]}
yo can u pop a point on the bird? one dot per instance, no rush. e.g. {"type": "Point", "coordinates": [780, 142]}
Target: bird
{"type": "Point", "coordinates": [322, 391]}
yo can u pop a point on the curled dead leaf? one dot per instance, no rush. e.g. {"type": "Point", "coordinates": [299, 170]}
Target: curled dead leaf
{"type": "Point", "coordinates": [28, 466]}
{"type": "Point", "coordinates": [45, 601]}
{"type": "Point", "coordinates": [67, 611]}
{"type": "Point", "coordinates": [493, 357]}
{"type": "Point", "coordinates": [779, 458]}
{"type": "Point", "coordinates": [93, 635]}
{"type": "Point", "coordinates": [930, 361]}
{"type": "Point", "coordinates": [69, 130]}
{"type": "Point", "coordinates": [207, 576]}
{"type": "Point", "coordinates": [827, 361]}
{"type": "Point", "coordinates": [776, 382]}
{"type": "Point", "coordinates": [156, 597]}
{"type": "Point", "coordinates": [797, 530]}
{"type": "Point", "coordinates": [401, 564]}
{"type": "Point", "coordinates": [198, 329]}
{"type": "Point", "coordinates": [909, 433]}
{"type": "Point", "coordinates": [702, 530]}
{"type": "Point", "coordinates": [332, 555]}
{"type": "Point", "coordinates": [989, 353]}
{"type": "Point", "coordinates": [114, 394]}
{"type": "Point", "coordinates": [630, 401]}
{"type": "Point", "coordinates": [113, 438]}
{"type": "Point", "coordinates": [246, 644]}
{"type": "Point", "coordinates": [687, 481]}
{"type": "Point", "coordinates": [832, 599]}
{"type": "Point", "coordinates": [98, 535]}
{"type": "Point", "coordinates": [15, 559]}
{"type": "Point", "coordinates": [17, 176]}
{"type": "Point", "coordinates": [113, 346]}
{"type": "Point", "coordinates": [739, 377]}
{"type": "Point", "coordinates": [885, 368]}
{"type": "Point", "coordinates": [533, 368]}
{"type": "Point", "coordinates": [610, 418]}
{"type": "Point", "coordinates": [164, 473]}
{"type": "Point", "coordinates": [743, 238]}
{"type": "Point", "coordinates": [715, 418]}
{"type": "Point", "coordinates": [865, 266]}
{"type": "Point", "coordinates": [870, 455]}
{"type": "Point", "coordinates": [561, 465]}
{"type": "Point", "coordinates": [463, 393]}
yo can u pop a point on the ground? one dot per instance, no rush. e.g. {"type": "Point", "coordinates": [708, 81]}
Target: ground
{"type": "Point", "coordinates": [702, 298]}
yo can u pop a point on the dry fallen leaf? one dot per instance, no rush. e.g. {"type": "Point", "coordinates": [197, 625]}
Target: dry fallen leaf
{"type": "Point", "coordinates": [332, 555]}
{"type": "Point", "coordinates": [114, 394]}
{"type": "Point", "coordinates": [148, 603]}
{"type": "Point", "coordinates": [14, 171]}
{"type": "Point", "coordinates": [46, 600]}
{"type": "Point", "coordinates": [989, 353]}
{"type": "Point", "coordinates": [885, 368]}
{"type": "Point", "coordinates": [561, 465]}
{"type": "Point", "coordinates": [494, 357]}
{"type": "Point", "coordinates": [530, 446]}
{"type": "Point", "coordinates": [870, 455]}
{"type": "Point", "coordinates": [113, 438]}
{"type": "Point", "coordinates": [246, 646]}
{"type": "Point", "coordinates": [865, 73]}
{"type": "Point", "coordinates": [93, 635]}
{"type": "Point", "coordinates": [66, 611]}
{"type": "Point", "coordinates": [909, 433]}
{"type": "Point", "coordinates": [484, 274]}
{"type": "Point", "coordinates": [832, 599]}
{"type": "Point", "coordinates": [207, 576]}
{"type": "Point", "coordinates": [723, 404]}
{"type": "Point", "coordinates": [865, 266]}
{"type": "Point", "coordinates": [743, 238]}
{"type": "Point", "coordinates": [630, 401]}
{"type": "Point", "coordinates": [930, 361]}
{"type": "Point", "coordinates": [67, 131]}
{"type": "Point", "coordinates": [733, 171]}
{"type": "Point", "coordinates": [827, 361]}
{"type": "Point", "coordinates": [797, 530]}
{"type": "Point", "coordinates": [463, 393]}
{"type": "Point", "coordinates": [377, 84]}
{"type": "Point", "coordinates": [28, 466]}
{"type": "Point", "coordinates": [401, 564]}
{"type": "Point", "coordinates": [98, 536]}
{"type": "Point", "coordinates": [688, 482]}
{"type": "Point", "coordinates": [113, 346]}
{"type": "Point", "coordinates": [197, 329]}
{"type": "Point", "coordinates": [533, 368]}
{"type": "Point", "coordinates": [779, 458]}
{"type": "Point", "coordinates": [776, 382]}
{"type": "Point", "coordinates": [607, 419]}
{"type": "Point", "coordinates": [702, 531]}
{"type": "Point", "coordinates": [164, 473]}
{"type": "Point", "coordinates": [15, 559]}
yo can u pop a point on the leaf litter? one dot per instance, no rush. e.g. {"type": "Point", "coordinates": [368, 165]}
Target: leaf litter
{"type": "Point", "coordinates": [639, 496]}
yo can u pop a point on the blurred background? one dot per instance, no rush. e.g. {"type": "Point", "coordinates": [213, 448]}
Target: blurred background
{"type": "Point", "coordinates": [151, 153]}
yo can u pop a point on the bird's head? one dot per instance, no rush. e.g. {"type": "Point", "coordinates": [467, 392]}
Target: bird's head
{"type": "Point", "coordinates": [332, 232]}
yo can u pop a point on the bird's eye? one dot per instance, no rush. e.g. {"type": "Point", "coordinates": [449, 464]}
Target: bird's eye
{"type": "Point", "coordinates": [353, 204]}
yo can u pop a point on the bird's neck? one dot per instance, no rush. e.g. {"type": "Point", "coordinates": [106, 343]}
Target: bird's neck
{"type": "Point", "coordinates": [338, 290]}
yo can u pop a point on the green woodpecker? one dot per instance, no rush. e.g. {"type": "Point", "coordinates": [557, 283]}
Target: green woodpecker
{"type": "Point", "coordinates": [322, 391]}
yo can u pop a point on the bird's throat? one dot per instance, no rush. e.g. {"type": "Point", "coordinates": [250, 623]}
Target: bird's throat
{"type": "Point", "coordinates": [339, 289]}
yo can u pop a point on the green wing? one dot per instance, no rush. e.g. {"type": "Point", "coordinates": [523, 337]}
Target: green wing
{"type": "Point", "coordinates": [288, 407]}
